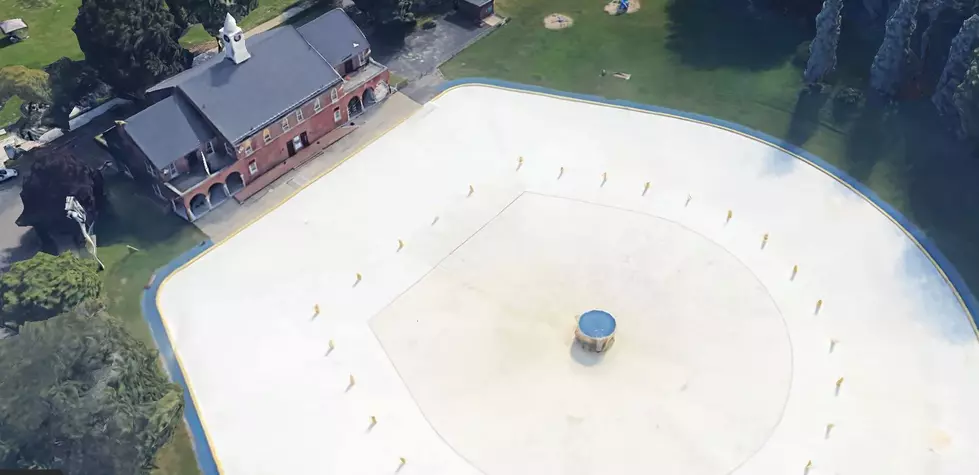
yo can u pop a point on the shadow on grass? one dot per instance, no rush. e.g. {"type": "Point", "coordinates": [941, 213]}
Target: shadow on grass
{"type": "Point", "coordinates": [710, 34]}
{"type": "Point", "coordinates": [805, 115]}
{"type": "Point", "coordinates": [132, 218]}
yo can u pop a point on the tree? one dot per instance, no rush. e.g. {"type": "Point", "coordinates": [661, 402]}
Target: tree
{"type": "Point", "coordinates": [131, 43]}
{"type": "Point", "coordinates": [73, 83]}
{"type": "Point", "coordinates": [56, 174]}
{"type": "Point", "coordinates": [933, 8]}
{"type": "Point", "coordinates": [80, 394]}
{"type": "Point", "coordinates": [211, 14]}
{"type": "Point", "coordinates": [966, 100]}
{"type": "Point", "coordinates": [889, 63]}
{"type": "Point", "coordinates": [822, 50]}
{"type": "Point", "coordinates": [387, 12]}
{"type": "Point", "coordinates": [44, 286]}
{"type": "Point", "coordinates": [31, 85]}
{"type": "Point", "coordinates": [959, 57]}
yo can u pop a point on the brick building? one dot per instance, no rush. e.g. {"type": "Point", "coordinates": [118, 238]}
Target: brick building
{"type": "Point", "coordinates": [230, 126]}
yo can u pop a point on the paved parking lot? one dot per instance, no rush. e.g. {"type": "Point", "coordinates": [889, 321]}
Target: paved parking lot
{"type": "Point", "coordinates": [424, 50]}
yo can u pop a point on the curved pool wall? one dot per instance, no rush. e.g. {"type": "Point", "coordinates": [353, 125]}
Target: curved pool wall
{"type": "Point", "coordinates": [205, 457]}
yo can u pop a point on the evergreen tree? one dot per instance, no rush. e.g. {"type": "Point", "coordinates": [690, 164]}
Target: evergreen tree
{"type": "Point", "coordinates": [822, 50]}
{"type": "Point", "coordinates": [211, 14]}
{"type": "Point", "coordinates": [80, 394]}
{"type": "Point", "coordinates": [131, 43]}
{"type": "Point", "coordinates": [44, 286]}
{"type": "Point", "coordinates": [886, 71]}
{"type": "Point", "coordinates": [959, 57]}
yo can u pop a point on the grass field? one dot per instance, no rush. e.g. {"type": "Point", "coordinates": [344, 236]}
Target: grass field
{"type": "Point", "coordinates": [160, 236]}
{"type": "Point", "coordinates": [711, 57]}
{"type": "Point", "coordinates": [50, 23]}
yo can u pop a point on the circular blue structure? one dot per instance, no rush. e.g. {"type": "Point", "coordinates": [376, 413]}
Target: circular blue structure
{"type": "Point", "coordinates": [596, 330]}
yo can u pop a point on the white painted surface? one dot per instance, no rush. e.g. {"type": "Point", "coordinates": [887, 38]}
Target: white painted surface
{"type": "Point", "coordinates": [699, 304]}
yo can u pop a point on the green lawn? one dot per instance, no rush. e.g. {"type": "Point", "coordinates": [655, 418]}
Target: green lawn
{"type": "Point", "coordinates": [160, 236]}
{"type": "Point", "coordinates": [50, 23]}
{"type": "Point", "coordinates": [709, 57]}
{"type": "Point", "coordinates": [10, 112]}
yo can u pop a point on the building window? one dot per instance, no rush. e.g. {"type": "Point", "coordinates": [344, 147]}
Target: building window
{"type": "Point", "coordinates": [285, 124]}
{"type": "Point", "coordinates": [247, 148]}
{"type": "Point", "coordinates": [170, 170]}
{"type": "Point", "coordinates": [252, 168]}
{"type": "Point", "coordinates": [334, 95]}
{"type": "Point", "coordinates": [157, 191]}
{"type": "Point", "coordinates": [208, 147]}
{"type": "Point", "coordinates": [266, 136]}
{"type": "Point", "coordinates": [227, 148]}
{"type": "Point", "coordinates": [299, 115]}
{"type": "Point", "coordinates": [317, 105]}
{"type": "Point", "coordinates": [150, 169]}
{"type": "Point", "coordinates": [337, 116]}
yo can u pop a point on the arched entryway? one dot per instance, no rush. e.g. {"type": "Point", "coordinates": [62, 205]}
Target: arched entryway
{"type": "Point", "coordinates": [198, 204]}
{"type": "Point", "coordinates": [235, 182]}
{"type": "Point", "coordinates": [369, 97]}
{"type": "Point", "coordinates": [217, 193]}
{"type": "Point", "coordinates": [354, 107]}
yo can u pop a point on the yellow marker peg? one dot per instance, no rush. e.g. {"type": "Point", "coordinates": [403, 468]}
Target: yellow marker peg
{"type": "Point", "coordinates": [560, 173]}
{"type": "Point", "coordinates": [331, 345]}
{"type": "Point", "coordinates": [819, 305]}
{"type": "Point", "coordinates": [401, 244]}
{"type": "Point", "coordinates": [808, 466]}
{"type": "Point", "coordinates": [839, 382]}
{"type": "Point", "coordinates": [316, 309]}
{"type": "Point", "coordinates": [764, 240]}
{"type": "Point", "coordinates": [795, 270]}
{"type": "Point", "coordinates": [471, 190]}
{"type": "Point", "coordinates": [829, 427]}
{"type": "Point", "coordinates": [373, 421]}
{"type": "Point", "coordinates": [352, 380]}
{"type": "Point", "coordinates": [645, 188]}
{"type": "Point", "coordinates": [519, 162]}
{"type": "Point", "coordinates": [730, 214]}
{"type": "Point", "coordinates": [604, 178]}
{"type": "Point", "coordinates": [359, 277]}
{"type": "Point", "coordinates": [403, 461]}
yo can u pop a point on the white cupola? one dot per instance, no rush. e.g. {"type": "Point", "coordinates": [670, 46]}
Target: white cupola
{"type": "Point", "coordinates": [234, 40]}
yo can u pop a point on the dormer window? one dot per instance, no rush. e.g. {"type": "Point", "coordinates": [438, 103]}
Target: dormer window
{"type": "Point", "coordinates": [333, 95]}
{"type": "Point", "coordinates": [285, 124]}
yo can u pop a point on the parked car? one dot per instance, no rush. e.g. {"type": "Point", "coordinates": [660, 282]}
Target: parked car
{"type": "Point", "coordinates": [7, 174]}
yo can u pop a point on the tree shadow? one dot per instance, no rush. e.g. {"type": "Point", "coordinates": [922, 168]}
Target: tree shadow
{"type": "Point", "coordinates": [710, 34]}
{"type": "Point", "coordinates": [805, 115]}
{"type": "Point", "coordinates": [29, 245]}
{"type": "Point", "coordinates": [868, 137]}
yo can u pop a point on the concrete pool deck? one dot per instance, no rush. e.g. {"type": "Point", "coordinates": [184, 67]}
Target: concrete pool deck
{"type": "Point", "coordinates": [460, 342]}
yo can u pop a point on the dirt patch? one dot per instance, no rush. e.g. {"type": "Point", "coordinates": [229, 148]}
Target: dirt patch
{"type": "Point", "coordinates": [612, 8]}
{"type": "Point", "coordinates": [557, 21]}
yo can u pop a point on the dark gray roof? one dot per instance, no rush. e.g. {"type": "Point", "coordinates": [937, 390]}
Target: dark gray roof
{"type": "Point", "coordinates": [478, 3]}
{"type": "Point", "coordinates": [335, 35]}
{"type": "Point", "coordinates": [212, 59]}
{"type": "Point", "coordinates": [240, 99]}
{"type": "Point", "coordinates": [168, 130]}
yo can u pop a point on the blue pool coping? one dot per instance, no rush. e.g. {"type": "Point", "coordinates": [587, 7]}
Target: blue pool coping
{"type": "Point", "coordinates": [945, 266]}
{"type": "Point", "coordinates": [202, 449]}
